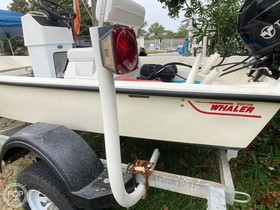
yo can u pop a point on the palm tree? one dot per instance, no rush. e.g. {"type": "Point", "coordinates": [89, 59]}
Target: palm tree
{"type": "Point", "coordinates": [141, 31]}
{"type": "Point", "coordinates": [157, 31]}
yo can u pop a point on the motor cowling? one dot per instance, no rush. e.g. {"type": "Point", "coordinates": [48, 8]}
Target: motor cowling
{"type": "Point", "coordinates": [259, 26]}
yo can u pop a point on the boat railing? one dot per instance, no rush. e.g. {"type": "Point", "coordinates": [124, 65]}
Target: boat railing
{"type": "Point", "coordinates": [17, 71]}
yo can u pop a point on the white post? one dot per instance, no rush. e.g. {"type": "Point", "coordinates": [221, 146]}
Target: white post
{"type": "Point", "coordinates": [208, 65]}
{"type": "Point", "coordinates": [110, 123]}
{"type": "Point", "coordinates": [214, 74]}
{"type": "Point", "coordinates": [204, 49]}
{"type": "Point", "coordinates": [194, 70]}
{"type": "Point", "coordinates": [111, 131]}
{"type": "Point", "coordinates": [141, 41]}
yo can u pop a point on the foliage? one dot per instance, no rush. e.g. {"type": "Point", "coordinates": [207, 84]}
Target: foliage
{"type": "Point", "coordinates": [182, 31]}
{"type": "Point", "coordinates": [19, 6]}
{"type": "Point", "coordinates": [258, 168]}
{"type": "Point", "coordinates": [141, 31]}
{"type": "Point", "coordinates": [214, 18]}
{"type": "Point", "coordinates": [156, 30]}
{"type": "Point", "coordinates": [173, 6]}
{"type": "Point", "coordinates": [217, 19]}
{"type": "Point", "coordinates": [86, 21]}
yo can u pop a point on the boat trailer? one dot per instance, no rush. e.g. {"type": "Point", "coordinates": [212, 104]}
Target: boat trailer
{"type": "Point", "coordinates": [218, 195]}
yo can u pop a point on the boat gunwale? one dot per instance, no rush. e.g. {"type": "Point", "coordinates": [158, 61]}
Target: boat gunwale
{"type": "Point", "coordinates": [154, 92]}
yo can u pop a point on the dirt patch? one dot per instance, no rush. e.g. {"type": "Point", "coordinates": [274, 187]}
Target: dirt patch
{"type": "Point", "coordinates": [11, 171]}
{"type": "Point", "coordinates": [8, 123]}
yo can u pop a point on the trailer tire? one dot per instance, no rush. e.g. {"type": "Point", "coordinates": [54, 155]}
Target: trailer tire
{"type": "Point", "coordinates": [41, 185]}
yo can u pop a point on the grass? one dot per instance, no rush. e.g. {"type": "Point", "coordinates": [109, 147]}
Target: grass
{"type": "Point", "coordinates": [257, 169]}
{"type": "Point", "coordinates": [158, 52]}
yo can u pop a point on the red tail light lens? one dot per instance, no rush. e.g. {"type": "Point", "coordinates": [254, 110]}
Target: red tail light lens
{"type": "Point", "coordinates": [119, 50]}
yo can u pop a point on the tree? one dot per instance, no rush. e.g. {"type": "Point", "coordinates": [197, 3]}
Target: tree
{"type": "Point", "coordinates": [182, 31]}
{"type": "Point", "coordinates": [24, 6]}
{"type": "Point", "coordinates": [21, 6]}
{"type": "Point", "coordinates": [142, 31]}
{"type": "Point", "coordinates": [173, 6]}
{"type": "Point", "coordinates": [214, 18]}
{"type": "Point", "coordinates": [156, 30]}
{"type": "Point", "coordinates": [147, 36]}
{"type": "Point", "coordinates": [167, 34]}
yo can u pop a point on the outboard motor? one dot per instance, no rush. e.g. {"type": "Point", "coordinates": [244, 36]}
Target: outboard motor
{"type": "Point", "coordinates": [259, 28]}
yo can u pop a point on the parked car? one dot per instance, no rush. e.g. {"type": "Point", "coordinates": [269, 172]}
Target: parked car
{"type": "Point", "coordinates": [143, 52]}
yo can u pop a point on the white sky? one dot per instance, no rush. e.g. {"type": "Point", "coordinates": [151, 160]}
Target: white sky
{"type": "Point", "coordinates": [154, 13]}
{"type": "Point", "coordinates": [4, 4]}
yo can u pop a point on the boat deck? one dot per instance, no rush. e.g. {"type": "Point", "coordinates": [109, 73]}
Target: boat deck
{"type": "Point", "coordinates": [15, 66]}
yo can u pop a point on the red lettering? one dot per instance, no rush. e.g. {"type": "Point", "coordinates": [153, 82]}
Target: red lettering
{"type": "Point", "coordinates": [223, 108]}
{"type": "Point", "coordinates": [215, 107]}
{"type": "Point", "coordinates": [250, 109]}
{"type": "Point", "coordinates": [243, 109]}
{"type": "Point", "coordinates": [229, 109]}
{"type": "Point", "coordinates": [236, 109]}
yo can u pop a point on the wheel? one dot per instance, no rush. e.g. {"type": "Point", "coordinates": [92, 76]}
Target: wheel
{"type": "Point", "coordinates": [56, 11]}
{"type": "Point", "coordinates": [44, 189]}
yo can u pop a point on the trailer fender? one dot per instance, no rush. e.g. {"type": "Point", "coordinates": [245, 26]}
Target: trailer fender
{"type": "Point", "coordinates": [64, 151]}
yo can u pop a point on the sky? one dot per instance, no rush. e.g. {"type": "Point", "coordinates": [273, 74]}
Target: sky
{"type": "Point", "coordinates": [154, 13]}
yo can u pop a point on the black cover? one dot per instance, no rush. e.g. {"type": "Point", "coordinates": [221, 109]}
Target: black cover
{"type": "Point", "coordinates": [157, 71]}
{"type": "Point", "coordinates": [259, 25]}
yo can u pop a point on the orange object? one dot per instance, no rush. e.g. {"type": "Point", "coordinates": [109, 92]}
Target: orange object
{"type": "Point", "coordinates": [77, 21]}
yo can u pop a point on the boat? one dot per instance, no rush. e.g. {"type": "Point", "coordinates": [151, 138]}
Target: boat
{"type": "Point", "coordinates": [181, 99]}
{"type": "Point", "coordinates": [200, 100]}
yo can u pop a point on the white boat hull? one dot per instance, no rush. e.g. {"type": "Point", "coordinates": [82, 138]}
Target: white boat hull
{"type": "Point", "coordinates": [199, 115]}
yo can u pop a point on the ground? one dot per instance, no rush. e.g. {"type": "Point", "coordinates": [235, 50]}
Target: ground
{"type": "Point", "coordinates": [8, 123]}
{"type": "Point", "coordinates": [11, 171]}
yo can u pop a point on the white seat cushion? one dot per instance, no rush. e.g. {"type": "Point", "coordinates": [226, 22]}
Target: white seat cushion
{"type": "Point", "coordinates": [80, 54]}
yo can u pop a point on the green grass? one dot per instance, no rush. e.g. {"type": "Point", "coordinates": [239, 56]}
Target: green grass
{"type": "Point", "coordinates": [256, 170]}
{"type": "Point", "coordinates": [156, 52]}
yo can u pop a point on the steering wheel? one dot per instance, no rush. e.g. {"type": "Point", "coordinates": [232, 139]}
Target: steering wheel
{"type": "Point", "coordinates": [56, 11]}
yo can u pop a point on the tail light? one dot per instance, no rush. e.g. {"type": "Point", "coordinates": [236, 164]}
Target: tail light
{"type": "Point", "coordinates": [119, 50]}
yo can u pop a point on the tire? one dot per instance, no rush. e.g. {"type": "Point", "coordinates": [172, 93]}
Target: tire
{"type": "Point", "coordinates": [43, 185]}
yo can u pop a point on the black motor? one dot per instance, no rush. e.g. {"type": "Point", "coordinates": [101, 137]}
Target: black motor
{"type": "Point", "coordinates": [259, 28]}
